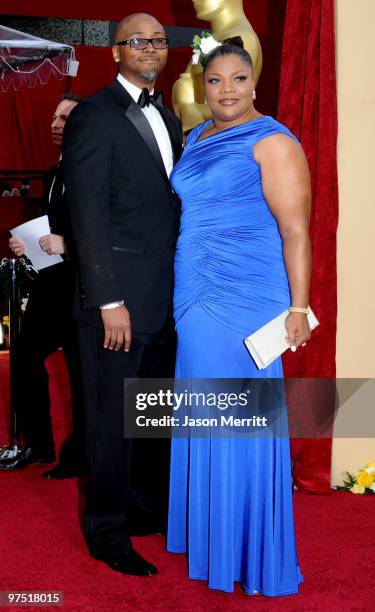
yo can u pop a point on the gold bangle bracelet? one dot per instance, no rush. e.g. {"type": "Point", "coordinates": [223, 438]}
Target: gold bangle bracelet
{"type": "Point", "coordinates": [298, 309]}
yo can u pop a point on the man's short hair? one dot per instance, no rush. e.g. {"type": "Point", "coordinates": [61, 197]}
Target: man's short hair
{"type": "Point", "coordinates": [69, 95]}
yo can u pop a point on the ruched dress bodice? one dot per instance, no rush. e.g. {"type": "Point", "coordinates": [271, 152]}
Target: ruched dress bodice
{"type": "Point", "coordinates": [229, 255]}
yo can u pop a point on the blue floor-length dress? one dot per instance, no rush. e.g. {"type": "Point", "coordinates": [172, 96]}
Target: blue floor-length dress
{"type": "Point", "coordinates": [230, 503]}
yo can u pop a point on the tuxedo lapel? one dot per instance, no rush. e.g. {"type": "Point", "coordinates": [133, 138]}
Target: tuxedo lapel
{"type": "Point", "coordinates": [139, 121]}
{"type": "Point", "coordinates": [134, 114]}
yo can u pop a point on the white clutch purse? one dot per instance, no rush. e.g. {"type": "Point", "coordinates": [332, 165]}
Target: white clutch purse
{"type": "Point", "coordinates": [268, 342]}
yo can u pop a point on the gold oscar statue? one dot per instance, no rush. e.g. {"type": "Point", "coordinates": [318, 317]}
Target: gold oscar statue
{"type": "Point", "coordinates": [227, 19]}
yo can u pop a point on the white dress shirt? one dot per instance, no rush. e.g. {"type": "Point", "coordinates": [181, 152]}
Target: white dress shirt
{"type": "Point", "coordinates": [156, 122]}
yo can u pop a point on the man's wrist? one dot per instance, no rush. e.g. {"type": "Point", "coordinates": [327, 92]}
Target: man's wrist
{"type": "Point", "coordinates": [111, 305]}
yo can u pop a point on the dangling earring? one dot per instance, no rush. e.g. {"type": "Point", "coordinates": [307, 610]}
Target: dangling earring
{"type": "Point", "coordinates": [254, 94]}
{"type": "Point", "coordinates": [205, 100]}
{"type": "Point", "coordinates": [117, 60]}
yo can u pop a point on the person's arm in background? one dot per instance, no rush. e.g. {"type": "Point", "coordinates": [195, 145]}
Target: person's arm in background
{"type": "Point", "coordinates": [286, 187]}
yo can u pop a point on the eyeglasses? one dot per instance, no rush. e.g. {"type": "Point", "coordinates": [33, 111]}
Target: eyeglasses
{"type": "Point", "coordinates": [142, 43]}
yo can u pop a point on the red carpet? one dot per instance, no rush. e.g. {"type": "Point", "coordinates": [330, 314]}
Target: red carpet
{"type": "Point", "coordinates": [41, 546]}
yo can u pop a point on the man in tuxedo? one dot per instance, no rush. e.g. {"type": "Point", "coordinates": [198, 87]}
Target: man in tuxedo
{"type": "Point", "coordinates": [47, 325]}
{"type": "Point", "coordinates": [120, 146]}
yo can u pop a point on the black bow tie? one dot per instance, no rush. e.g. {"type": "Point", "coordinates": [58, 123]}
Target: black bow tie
{"type": "Point", "coordinates": [145, 99]}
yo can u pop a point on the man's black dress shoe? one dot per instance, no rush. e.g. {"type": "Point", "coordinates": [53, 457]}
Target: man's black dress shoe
{"type": "Point", "coordinates": [147, 529]}
{"type": "Point", "coordinates": [11, 460]}
{"type": "Point", "coordinates": [131, 563]}
{"type": "Point", "coordinates": [61, 471]}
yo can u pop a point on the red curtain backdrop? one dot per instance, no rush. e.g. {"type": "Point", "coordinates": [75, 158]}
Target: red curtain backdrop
{"type": "Point", "coordinates": [307, 105]}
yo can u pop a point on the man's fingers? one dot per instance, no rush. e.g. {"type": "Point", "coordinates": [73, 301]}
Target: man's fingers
{"type": "Point", "coordinates": [107, 337]}
{"type": "Point", "coordinates": [119, 340]}
{"type": "Point", "coordinates": [115, 339]}
{"type": "Point", "coordinates": [128, 338]}
{"type": "Point", "coordinates": [112, 340]}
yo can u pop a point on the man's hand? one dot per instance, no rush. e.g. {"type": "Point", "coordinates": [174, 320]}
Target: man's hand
{"type": "Point", "coordinates": [117, 328]}
{"type": "Point", "coordinates": [17, 246]}
{"type": "Point", "coordinates": [53, 244]}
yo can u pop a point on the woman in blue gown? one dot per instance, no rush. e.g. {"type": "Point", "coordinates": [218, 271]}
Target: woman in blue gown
{"type": "Point", "coordinates": [243, 257]}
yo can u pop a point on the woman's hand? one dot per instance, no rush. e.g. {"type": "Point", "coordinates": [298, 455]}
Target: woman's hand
{"type": "Point", "coordinates": [297, 328]}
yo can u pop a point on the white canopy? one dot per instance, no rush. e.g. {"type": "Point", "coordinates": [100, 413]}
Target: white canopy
{"type": "Point", "coordinates": [27, 59]}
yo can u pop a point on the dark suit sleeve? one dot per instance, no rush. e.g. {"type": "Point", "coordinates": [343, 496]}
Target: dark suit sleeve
{"type": "Point", "coordinates": [87, 153]}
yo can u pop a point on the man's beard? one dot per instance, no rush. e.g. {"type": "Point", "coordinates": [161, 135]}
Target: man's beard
{"type": "Point", "coordinates": [150, 75]}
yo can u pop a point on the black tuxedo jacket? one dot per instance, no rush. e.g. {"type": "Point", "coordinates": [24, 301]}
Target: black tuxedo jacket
{"type": "Point", "coordinates": [123, 211]}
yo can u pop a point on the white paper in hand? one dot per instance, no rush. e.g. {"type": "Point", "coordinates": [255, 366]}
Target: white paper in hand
{"type": "Point", "coordinates": [30, 233]}
{"type": "Point", "coordinates": [268, 342]}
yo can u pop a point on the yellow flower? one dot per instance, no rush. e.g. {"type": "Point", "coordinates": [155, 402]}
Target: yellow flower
{"type": "Point", "coordinates": [365, 479]}
{"type": "Point", "coordinates": [358, 489]}
{"type": "Point", "coordinates": [370, 467]}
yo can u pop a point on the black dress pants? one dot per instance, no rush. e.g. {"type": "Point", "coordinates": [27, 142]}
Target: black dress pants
{"type": "Point", "coordinates": [127, 485]}
{"type": "Point", "coordinates": [47, 325]}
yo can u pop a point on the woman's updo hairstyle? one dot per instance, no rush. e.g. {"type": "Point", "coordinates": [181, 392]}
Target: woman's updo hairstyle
{"type": "Point", "coordinates": [230, 46]}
